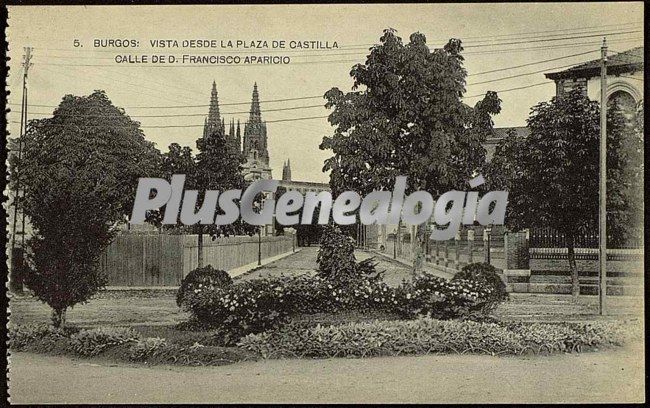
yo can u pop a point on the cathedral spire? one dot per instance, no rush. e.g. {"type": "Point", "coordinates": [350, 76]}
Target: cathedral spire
{"type": "Point", "coordinates": [213, 121]}
{"type": "Point", "coordinates": [255, 144]}
{"type": "Point", "coordinates": [214, 117]}
{"type": "Point", "coordinates": [255, 112]}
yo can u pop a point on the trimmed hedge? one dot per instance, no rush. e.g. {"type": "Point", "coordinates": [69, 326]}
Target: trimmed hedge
{"type": "Point", "coordinates": [263, 304]}
{"type": "Point", "coordinates": [487, 276]}
{"type": "Point", "coordinates": [426, 336]}
{"type": "Point", "coordinates": [199, 278]}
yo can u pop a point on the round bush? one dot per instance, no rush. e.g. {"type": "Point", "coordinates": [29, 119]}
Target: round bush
{"type": "Point", "coordinates": [206, 277]}
{"type": "Point", "coordinates": [487, 276]}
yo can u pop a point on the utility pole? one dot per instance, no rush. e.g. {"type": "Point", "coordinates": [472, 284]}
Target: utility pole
{"type": "Point", "coordinates": [28, 64]}
{"type": "Point", "coordinates": [259, 246]}
{"type": "Point", "coordinates": [17, 259]}
{"type": "Point", "coordinates": [602, 191]}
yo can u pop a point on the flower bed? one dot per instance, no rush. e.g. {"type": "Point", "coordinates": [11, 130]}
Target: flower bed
{"type": "Point", "coordinates": [426, 335]}
{"type": "Point", "coordinates": [125, 344]}
{"type": "Point", "coordinates": [264, 304]}
{"type": "Point", "coordinates": [306, 338]}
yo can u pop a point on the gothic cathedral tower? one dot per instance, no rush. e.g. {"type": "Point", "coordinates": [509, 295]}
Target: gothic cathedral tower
{"type": "Point", "coordinates": [255, 146]}
{"type": "Point", "coordinates": [213, 121]}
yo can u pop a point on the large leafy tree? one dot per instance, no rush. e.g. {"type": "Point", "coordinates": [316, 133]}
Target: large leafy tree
{"type": "Point", "coordinates": [405, 117]}
{"type": "Point", "coordinates": [80, 170]}
{"type": "Point", "coordinates": [179, 160]}
{"type": "Point", "coordinates": [176, 160]}
{"type": "Point", "coordinates": [219, 167]}
{"type": "Point", "coordinates": [552, 175]}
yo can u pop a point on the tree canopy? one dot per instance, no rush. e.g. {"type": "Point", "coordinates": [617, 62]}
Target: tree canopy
{"type": "Point", "coordinates": [553, 174]}
{"type": "Point", "coordinates": [79, 171]}
{"type": "Point", "coordinates": [405, 117]}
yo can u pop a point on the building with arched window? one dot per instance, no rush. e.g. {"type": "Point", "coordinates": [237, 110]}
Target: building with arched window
{"type": "Point", "coordinates": [624, 79]}
{"type": "Point", "coordinates": [624, 86]}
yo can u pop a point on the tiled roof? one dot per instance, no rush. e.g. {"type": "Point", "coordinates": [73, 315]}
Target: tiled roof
{"type": "Point", "coordinates": [630, 60]}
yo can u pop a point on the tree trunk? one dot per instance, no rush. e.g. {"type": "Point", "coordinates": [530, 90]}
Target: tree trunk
{"type": "Point", "coordinates": [575, 281]}
{"type": "Point", "coordinates": [200, 249]}
{"type": "Point", "coordinates": [58, 317]}
{"type": "Point", "coordinates": [17, 270]}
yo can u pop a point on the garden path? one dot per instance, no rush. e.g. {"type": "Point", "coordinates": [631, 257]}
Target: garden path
{"type": "Point", "coordinates": [305, 262]}
{"type": "Point", "coordinates": [604, 376]}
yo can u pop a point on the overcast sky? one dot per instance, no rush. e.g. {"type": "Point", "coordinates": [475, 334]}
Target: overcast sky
{"type": "Point", "coordinates": [59, 68]}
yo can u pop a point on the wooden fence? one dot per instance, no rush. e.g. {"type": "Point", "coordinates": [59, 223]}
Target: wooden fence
{"type": "Point", "coordinates": [147, 260]}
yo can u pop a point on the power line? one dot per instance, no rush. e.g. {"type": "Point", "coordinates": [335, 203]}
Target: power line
{"type": "Point", "coordinates": [362, 53]}
{"type": "Point", "coordinates": [551, 36]}
{"type": "Point", "coordinates": [326, 116]}
{"type": "Point", "coordinates": [200, 106]}
{"type": "Point", "coordinates": [613, 25]}
{"type": "Point", "coordinates": [531, 63]}
{"type": "Point", "coordinates": [139, 87]}
{"type": "Point", "coordinates": [521, 75]}
{"type": "Point", "coordinates": [558, 39]}
{"type": "Point", "coordinates": [202, 125]}
{"type": "Point", "coordinates": [522, 35]}
{"type": "Point", "coordinates": [121, 65]}
{"type": "Point", "coordinates": [549, 47]}
{"type": "Point", "coordinates": [536, 40]}
{"type": "Point", "coordinates": [258, 65]}
{"type": "Point", "coordinates": [512, 89]}
{"type": "Point", "coordinates": [183, 114]}
{"type": "Point", "coordinates": [199, 51]}
{"type": "Point", "coordinates": [618, 25]}
{"type": "Point", "coordinates": [319, 96]}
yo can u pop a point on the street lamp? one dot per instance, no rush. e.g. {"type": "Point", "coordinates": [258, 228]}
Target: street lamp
{"type": "Point", "coordinates": [488, 233]}
{"type": "Point", "coordinates": [259, 246]}
{"type": "Point", "coordinates": [258, 206]}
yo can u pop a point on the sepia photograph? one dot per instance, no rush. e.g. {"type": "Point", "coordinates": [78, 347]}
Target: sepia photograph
{"type": "Point", "coordinates": [431, 203]}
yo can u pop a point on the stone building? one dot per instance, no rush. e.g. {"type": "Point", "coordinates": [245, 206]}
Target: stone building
{"type": "Point", "coordinates": [303, 187]}
{"type": "Point", "coordinates": [624, 78]}
{"type": "Point", "coordinates": [624, 85]}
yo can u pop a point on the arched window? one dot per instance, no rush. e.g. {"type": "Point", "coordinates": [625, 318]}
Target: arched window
{"type": "Point", "coordinates": [624, 101]}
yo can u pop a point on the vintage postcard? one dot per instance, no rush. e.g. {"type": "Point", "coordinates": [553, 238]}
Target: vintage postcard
{"type": "Point", "coordinates": [325, 203]}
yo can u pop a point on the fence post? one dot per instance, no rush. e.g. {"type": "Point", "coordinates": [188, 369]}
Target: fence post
{"type": "Point", "coordinates": [470, 246]}
{"type": "Point", "coordinates": [457, 249]}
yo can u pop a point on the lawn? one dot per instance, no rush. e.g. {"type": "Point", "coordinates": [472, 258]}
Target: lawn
{"type": "Point", "coordinates": [152, 308]}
